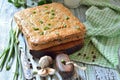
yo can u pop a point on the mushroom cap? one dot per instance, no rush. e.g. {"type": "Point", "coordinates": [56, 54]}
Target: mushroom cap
{"type": "Point", "coordinates": [45, 61]}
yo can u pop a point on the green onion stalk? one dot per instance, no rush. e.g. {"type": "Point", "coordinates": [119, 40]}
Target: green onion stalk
{"type": "Point", "coordinates": [11, 53]}
{"type": "Point", "coordinates": [18, 3]}
{"type": "Point", "coordinates": [41, 2]}
{"type": "Point", "coordinates": [7, 52]}
{"type": "Point", "coordinates": [23, 3]}
{"type": "Point", "coordinates": [4, 56]}
{"type": "Point", "coordinates": [18, 70]}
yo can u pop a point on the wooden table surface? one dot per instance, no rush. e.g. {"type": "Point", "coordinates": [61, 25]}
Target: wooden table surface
{"type": "Point", "coordinates": [92, 72]}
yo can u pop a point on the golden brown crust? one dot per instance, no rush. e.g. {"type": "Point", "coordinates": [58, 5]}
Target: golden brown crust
{"type": "Point", "coordinates": [68, 48]}
{"type": "Point", "coordinates": [50, 24]}
{"type": "Point", "coordinates": [63, 47]}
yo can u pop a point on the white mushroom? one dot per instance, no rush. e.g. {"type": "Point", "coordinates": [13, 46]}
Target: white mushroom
{"type": "Point", "coordinates": [51, 71]}
{"type": "Point", "coordinates": [45, 61]}
{"type": "Point", "coordinates": [82, 68]}
{"type": "Point", "coordinates": [45, 72]}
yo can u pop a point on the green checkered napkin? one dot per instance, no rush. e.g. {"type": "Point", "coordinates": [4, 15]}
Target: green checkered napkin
{"type": "Point", "coordinates": [102, 39]}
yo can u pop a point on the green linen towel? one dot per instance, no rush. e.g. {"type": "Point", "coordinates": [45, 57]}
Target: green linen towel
{"type": "Point", "coordinates": [102, 39]}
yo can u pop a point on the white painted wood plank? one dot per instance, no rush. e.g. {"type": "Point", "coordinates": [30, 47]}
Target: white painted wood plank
{"type": "Point", "coordinates": [82, 73]}
{"type": "Point", "coordinates": [99, 73]}
{"type": "Point", "coordinates": [1, 4]}
{"type": "Point", "coordinates": [7, 12]}
{"type": "Point", "coordinates": [106, 74]}
{"type": "Point", "coordinates": [90, 74]}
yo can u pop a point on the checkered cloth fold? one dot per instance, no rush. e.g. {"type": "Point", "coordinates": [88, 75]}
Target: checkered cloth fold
{"type": "Point", "coordinates": [102, 39]}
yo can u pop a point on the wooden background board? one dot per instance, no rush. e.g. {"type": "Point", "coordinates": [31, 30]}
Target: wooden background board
{"type": "Point", "coordinates": [7, 11]}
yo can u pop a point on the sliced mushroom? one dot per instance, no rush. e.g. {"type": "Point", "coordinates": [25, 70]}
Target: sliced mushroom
{"type": "Point", "coordinates": [46, 71]}
{"type": "Point", "coordinates": [51, 71]}
{"type": "Point", "coordinates": [43, 73]}
{"type": "Point", "coordinates": [65, 70]}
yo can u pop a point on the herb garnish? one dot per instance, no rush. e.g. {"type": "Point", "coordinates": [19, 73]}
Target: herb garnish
{"type": "Point", "coordinates": [41, 33]}
{"type": "Point", "coordinates": [64, 25]}
{"type": "Point", "coordinates": [18, 3]}
{"type": "Point", "coordinates": [67, 17]}
{"type": "Point", "coordinates": [51, 17]}
{"type": "Point", "coordinates": [53, 14]}
{"type": "Point", "coordinates": [41, 2]}
{"type": "Point", "coordinates": [52, 10]}
{"type": "Point", "coordinates": [41, 22]}
{"type": "Point", "coordinates": [49, 24]}
{"type": "Point", "coordinates": [35, 28]}
{"type": "Point", "coordinates": [46, 28]}
{"type": "Point", "coordinates": [46, 6]}
{"type": "Point", "coordinates": [34, 12]}
{"type": "Point", "coordinates": [63, 61]}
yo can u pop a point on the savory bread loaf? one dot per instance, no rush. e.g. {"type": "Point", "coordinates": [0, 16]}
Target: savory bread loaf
{"type": "Point", "coordinates": [49, 25]}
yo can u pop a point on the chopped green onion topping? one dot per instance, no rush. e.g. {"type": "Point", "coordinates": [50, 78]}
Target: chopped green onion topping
{"type": "Point", "coordinates": [52, 10]}
{"type": "Point", "coordinates": [66, 17]}
{"type": "Point", "coordinates": [63, 61]}
{"type": "Point", "coordinates": [76, 27]}
{"type": "Point", "coordinates": [35, 28]}
{"type": "Point", "coordinates": [41, 33]}
{"type": "Point", "coordinates": [65, 25]}
{"type": "Point", "coordinates": [41, 22]}
{"type": "Point", "coordinates": [46, 28]}
{"type": "Point", "coordinates": [34, 12]}
{"type": "Point", "coordinates": [53, 14]}
{"type": "Point", "coordinates": [49, 24]}
{"type": "Point", "coordinates": [51, 17]}
{"type": "Point", "coordinates": [46, 6]}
